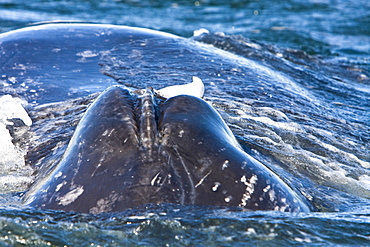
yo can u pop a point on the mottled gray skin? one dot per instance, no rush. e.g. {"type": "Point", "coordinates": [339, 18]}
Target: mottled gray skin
{"type": "Point", "coordinates": [129, 150]}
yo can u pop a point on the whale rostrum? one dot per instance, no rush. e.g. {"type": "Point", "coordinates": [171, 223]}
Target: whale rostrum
{"type": "Point", "coordinates": [131, 149]}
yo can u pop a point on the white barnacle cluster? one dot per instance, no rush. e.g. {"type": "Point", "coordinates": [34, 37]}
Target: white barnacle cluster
{"type": "Point", "coordinates": [228, 198]}
{"type": "Point", "coordinates": [215, 186]}
{"type": "Point", "coordinates": [267, 188]}
{"type": "Point", "coordinates": [105, 204]}
{"type": "Point", "coordinates": [59, 186]}
{"type": "Point", "coordinates": [195, 88]}
{"type": "Point", "coordinates": [280, 204]}
{"type": "Point", "coordinates": [284, 207]}
{"type": "Point", "coordinates": [71, 196]}
{"type": "Point", "coordinates": [181, 132]}
{"type": "Point", "coordinates": [249, 189]}
{"type": "Point", "coordinates": [225, 165]}
{"type": "Point", "coordinates": [272, 195]}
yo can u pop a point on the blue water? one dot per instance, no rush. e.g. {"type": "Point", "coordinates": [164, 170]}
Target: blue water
{"type": "Point", "coordinates": [328, 27]}
{"type": "Point", "coordinates": [326, 157]}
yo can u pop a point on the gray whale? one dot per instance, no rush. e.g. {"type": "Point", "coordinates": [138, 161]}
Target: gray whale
{"type": "Point", "coordinates": [131, 149]}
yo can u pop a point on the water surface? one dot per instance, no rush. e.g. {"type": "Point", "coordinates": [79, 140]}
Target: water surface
{"type": "Point", "coordinates": [313, 129]}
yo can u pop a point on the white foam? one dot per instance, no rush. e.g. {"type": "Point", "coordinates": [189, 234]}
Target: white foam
{"type": "Point", "coordinates": [14, 183]}
{"type": "Point", "coordinates": [11, 108]}
{"type": "Point", "coordinates": [14, 175]}
{"type": "Point", "coordinates": [286, 125]}
{"type": "Point", "coordinates": [365, 181]}
{"type": "Point", "coordinates": [200, 32]}
{"type": "Point", "coordinates": [195, 88]}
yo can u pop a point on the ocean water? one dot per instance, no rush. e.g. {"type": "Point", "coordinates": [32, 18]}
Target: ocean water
{"type": "Point", "coordinates": [307, 118]}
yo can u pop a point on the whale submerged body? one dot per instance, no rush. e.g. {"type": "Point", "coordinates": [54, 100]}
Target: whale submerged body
{"type": "Point", "coordinates": [133, 148]}
{"type": "Point", "coordinates": [130, 150]}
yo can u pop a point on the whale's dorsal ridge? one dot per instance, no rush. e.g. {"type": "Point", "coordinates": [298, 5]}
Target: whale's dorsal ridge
{"type": "Point", "coordinates": [195, 88]}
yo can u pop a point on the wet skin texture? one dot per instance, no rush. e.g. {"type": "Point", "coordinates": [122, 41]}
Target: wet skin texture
{"type": "Point", "coordinates": [132, 149]}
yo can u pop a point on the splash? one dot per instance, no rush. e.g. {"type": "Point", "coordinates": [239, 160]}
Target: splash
{"type": "Point", "coordinates": [14, 175]}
